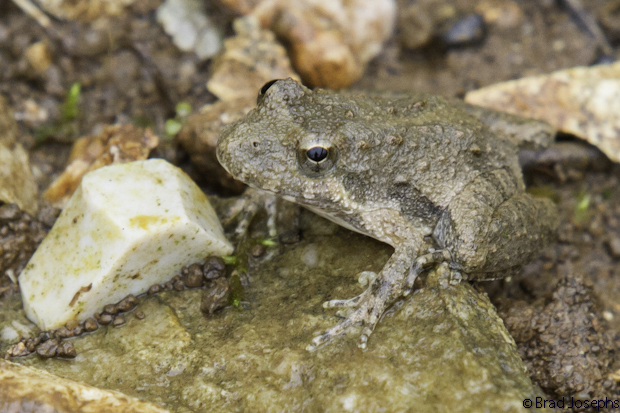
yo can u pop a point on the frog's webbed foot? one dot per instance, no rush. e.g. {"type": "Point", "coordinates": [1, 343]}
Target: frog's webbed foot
{"type": "Point", "coordinates": [247, 206]}
{"type": "Point", "coordinates": [372, 303]}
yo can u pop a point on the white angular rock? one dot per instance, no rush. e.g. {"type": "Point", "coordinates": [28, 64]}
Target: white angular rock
{"type": "Point", "coordinates": [127, 227]}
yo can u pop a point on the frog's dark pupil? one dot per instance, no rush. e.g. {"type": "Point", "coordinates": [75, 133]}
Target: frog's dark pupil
{"type": "Point", "coordinates": [317, 154]}
{"type": "Point", "coordinates": [267, 85]}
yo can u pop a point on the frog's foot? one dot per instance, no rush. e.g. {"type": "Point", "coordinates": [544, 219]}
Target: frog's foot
{"type": "Point", "coordinates": [423, 262]}
{"type": "Point", "coordinates": [247, 206]}
{"type": "Point", "coordinates": [371, 305]}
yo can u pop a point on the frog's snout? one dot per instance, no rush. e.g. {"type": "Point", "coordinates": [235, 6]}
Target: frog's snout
{"type": "Point", "coordinates": [223, 153]}
{"type": "Point", "coordinates": [237, 154]}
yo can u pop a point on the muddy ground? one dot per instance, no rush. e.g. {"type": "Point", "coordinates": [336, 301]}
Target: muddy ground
{"type": "Point", "coordinates": [563, 308]}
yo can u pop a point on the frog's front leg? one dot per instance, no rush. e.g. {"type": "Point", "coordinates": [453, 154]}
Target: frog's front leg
{"type": "Point", "coordinates": [247, 206]}
{"type": "Point", "coordinates": [372, 303]}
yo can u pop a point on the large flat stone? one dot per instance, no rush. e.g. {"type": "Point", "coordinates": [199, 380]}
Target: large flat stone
{"type": "Point", "coordinates": [443, 349]}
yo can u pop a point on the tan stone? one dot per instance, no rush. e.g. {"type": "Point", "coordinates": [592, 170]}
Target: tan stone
{"type": "Point", "coordinates": [28, 389]}
{"type": "Point", "coordinates": [250, 59]}
{"type": "Point", "coordinates": [583, 101]}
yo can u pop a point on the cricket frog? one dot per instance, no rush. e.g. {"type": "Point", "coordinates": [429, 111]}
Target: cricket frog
{"type": "Point", "coordinates": [436, 179]}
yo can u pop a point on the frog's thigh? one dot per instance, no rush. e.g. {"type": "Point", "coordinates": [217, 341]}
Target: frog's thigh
{"type": "Point", "coordinates": [464, 227]}
{"type": "Point", "coordinates": [519, 229]}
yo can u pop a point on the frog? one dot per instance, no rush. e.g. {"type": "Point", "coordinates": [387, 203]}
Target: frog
{"type": "Point", "coordinates": [433, 177]}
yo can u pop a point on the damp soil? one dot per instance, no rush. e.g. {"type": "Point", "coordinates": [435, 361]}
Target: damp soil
{"type": "Point", "coordinates": [563, 309]}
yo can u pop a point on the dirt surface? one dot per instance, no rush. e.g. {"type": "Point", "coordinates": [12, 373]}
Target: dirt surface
{"type": "Point", "coordinates": [563, 309]}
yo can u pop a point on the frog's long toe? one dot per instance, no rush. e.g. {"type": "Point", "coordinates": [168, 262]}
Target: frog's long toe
{"type": "Point", "coordinates": [335, 331]}
{"type": "Point", "coordinates": [351, 302]}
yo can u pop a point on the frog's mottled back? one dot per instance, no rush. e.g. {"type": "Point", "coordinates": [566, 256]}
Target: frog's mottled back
{"type": "Point", "coordinates": [380, 149]}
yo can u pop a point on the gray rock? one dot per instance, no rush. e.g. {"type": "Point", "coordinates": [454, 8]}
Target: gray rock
{"type": "Point", "coordinates": [442, 349]}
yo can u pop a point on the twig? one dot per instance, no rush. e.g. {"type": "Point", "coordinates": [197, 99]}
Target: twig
{"type": "Point", "coordinates": [576, 7]}
{"type": "Point", "coordinates": [33, 11]}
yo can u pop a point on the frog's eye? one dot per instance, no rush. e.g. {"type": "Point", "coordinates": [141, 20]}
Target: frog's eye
{"type": "Point", "coordinates": [264, 90]}
{"type": "Point", "coordinates": [316, 154]}
{"type": "Point", "coordinates": [317, 159]}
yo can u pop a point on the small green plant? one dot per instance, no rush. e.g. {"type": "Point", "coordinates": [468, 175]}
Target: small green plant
{"type": "Point", "coordinates": [268, 242]}
{"type": "Point", "coordinates": [70, 109]}
{"type": "Point", "coordinates": [65, 128]}
{"type": "Point", "coordinates": [174, 125]}
{"type": "Point", "coordinates": [230, 259]}
{"type": "Point", "coordinates": [581, 208]}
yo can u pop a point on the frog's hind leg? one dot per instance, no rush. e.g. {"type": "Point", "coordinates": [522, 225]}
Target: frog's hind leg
{"type": "Point", "coordinates": [372, 303]}
{"type": "Point", "coordinates": [423, 262]}
{"type": "Point", "coordinates": [493, 225]}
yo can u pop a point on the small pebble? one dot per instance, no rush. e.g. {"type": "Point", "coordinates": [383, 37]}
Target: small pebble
{"type": "Point", "coordinates": [216, 296]}
{"type": "Point", "coordinates": [175, 278]}
{"type": "Point", "coordinates": [155, 289]}
{"type": "Point", "coordinates": [127, 303]}
{"type": "Point", "coordinates": [214, 268]}
{"type": "Point", "coordinates": [64, 332]}
{"type": "Point", "coordinates": [77, 331]}
{"type": "Point", "coordinates": [614, 246]}
{"type": "Point", "coordinates": [72, 324]}
{"type": "Point", "coordinates": [66, 349]}
{"type": "Point", "coordinates": [110, 309]}
{"type": "Point", "coordinates": [19, 350]}
{"type": "Point", "coordinates": [90, 324]}
{"type": "Point", "coordinates": [140, 315]}
{"type": "Point", "coordinates": [466, 31]}
{"type": "Point", "coordinates": [178, 285]}
{"type": "Point", "coordinates": [193, 276]}
{"type": "Point", "coordinates": [32, 343]}
{"type": "Point", "coordinates": [119, 320]}
{"type": "Point", "coordinates": [169, 285]}
{"type": "Point", "coordinates": [105, 319]}
{"type": "Point", "coordinates": [48, 349]}
{"type": "Point", "coordinates": [258, 250]}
